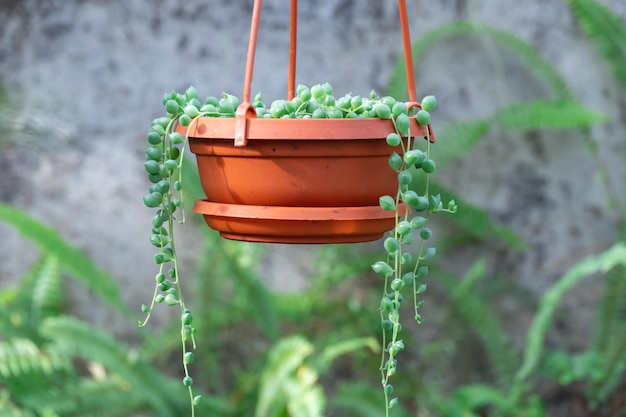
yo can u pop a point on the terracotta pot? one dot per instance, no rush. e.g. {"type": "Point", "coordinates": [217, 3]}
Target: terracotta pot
{"type": "Point", "coordinates": [296, 181]}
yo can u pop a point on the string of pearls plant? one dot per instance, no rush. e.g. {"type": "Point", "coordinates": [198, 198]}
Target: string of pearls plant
{"type": "Point", "coordinates": [164, 156]}
{"type": "Point", "coordinates": [403, 267]}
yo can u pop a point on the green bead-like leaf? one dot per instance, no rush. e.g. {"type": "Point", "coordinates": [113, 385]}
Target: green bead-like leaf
{"type": "Point", "coordinates": [410, 197]}
{"type": "Point", "coordinates": [405, 177]}
{"type": "Point", "coordinates": [382, 111]}
{"type": "Point", "coordinates": [418, 222]}
{"type": "Point", "coordinates": [393, 139]}
{"type": "Point", "coordinates": [403, 123]}
{"type": "Point", "coordinates": [152, 167]}
{"type": "Point", "coordinates": [395, 161]}
{"type": "Point", "coordinates": [153, 200]}
{"type": "Point", "coordinates": [171, 300]}
{"type": "Point", "coordinates": [429, 103]}
{"type": "Point", "coordinates": [154, 138]}
{"type": "Point", "coordinates": [171, 106]}
{"type": "Point", "coordinates": [397, 284]}
{"type": "Point", "coordinates": [191, 111]}
{"type": "Point", "coordinates": [421, 205]}
{"type": "Point", "coordinates": [414, 156]}
{"type": "Point", "coordinates": [428, 166]}
{"type": "Point", "coordinates": [391, 245]}
{"type": "Point", "coordinates": [184, 120]}
{"type": "Point", "coordinates": [191, 93]}
{"type": "Point", "coordinates": [403, 228]}
{"type": "Point", "coordinates": [423, 117]}
{"type": "Point", "coordinates": [400, 108]}
{"type": "Point", "coordinates": [429, 253]}
{"type": "Point", "coordinates": [382, 268]}
{"type": "Point", "coordinates": [176, 138]}
{"type": "Point", "coordinates": [387, 202]}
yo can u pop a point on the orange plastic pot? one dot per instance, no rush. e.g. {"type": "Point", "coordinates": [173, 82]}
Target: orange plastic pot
{"type": "Point", "coordinates": [296, 180]}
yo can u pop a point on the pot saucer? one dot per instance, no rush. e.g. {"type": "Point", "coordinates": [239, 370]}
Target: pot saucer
{"type": "Point", "coordinates": [301, 225]}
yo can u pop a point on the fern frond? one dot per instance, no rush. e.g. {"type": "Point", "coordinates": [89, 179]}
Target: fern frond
{"type": "Point", "coordinates": [475, 312]}
{"type": "Point", "coordinates": [21, 358]}
{"type": "Point", "coordinates": [332, 352]}
{"type": "Point", "coordinates": [607, 31]}
{"type": "Point", "coordinates": [522, 50]}
{"type": "Point", "coordinates": [252, 294]}
{"type": "Point", "coordinates": [602, 263]}
{"type": "Point", "coordinates": [305, 398]}
{"type": "Point", "coordinates": [50, 242]}
{"type": "Point", "coordinates": [237, 261]}
{"type": "Point", "coordinates": [566, 368]}
{"type": "Point", "coordinates": [476, 221]}
{"type": "Point", "coordinates": [7, 409]}
{"type": "Point", "coordinates": [80, 339]}
{"type": "Point", "coordinates": [287, 356]}
{"type": "Point", "coordinates": [359, 400]}
{"type": "Point", "coordinates": [471, 397]}
{"type": "Point", "coordinates": [47, 299]}
{"type": "Point", "coordinates": [455, 139]}
{"type": "Point", "coordinates": [546, 114]}
{"type": "Point", "coordinates": [86, 397]}
{"type": "Point", "coordinates": [610, 341]}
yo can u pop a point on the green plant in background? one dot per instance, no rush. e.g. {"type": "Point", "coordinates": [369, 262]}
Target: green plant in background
{"type": "Point", "coordinates": [515, 393]}
{"type": "Point", "coordinates": [56, 362]}
{"type": "Point", "coordinates": [601, 368]}
{"type": "Point", "coordinates": [458, 138]}
{"type": "Point", "coordinates": [53, 364]}
{"type": "Point", "coordinates": [606, 31]}
{"type": "Point", "coordinates": [289, 382]}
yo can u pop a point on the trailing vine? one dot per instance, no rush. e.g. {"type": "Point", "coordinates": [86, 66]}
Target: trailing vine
{"type": "Point", "coordinates": [164, 158]}
{"type": "Point", "coordinates": [399, 269]}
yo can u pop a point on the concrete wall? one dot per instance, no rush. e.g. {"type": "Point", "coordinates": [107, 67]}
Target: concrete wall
{"type": "Point", "coordinates": [98, 70]}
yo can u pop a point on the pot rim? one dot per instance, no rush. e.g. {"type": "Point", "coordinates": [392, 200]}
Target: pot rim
{"type": "Point", "coordinates": [297, 129]}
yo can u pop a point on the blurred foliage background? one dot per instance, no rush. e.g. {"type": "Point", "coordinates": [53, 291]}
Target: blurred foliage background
{"type": "Point", "coordinates": [314, 352]}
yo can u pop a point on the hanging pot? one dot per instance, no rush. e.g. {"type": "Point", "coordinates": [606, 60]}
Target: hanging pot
{"type": "Point", "coordinates": [295, 180]}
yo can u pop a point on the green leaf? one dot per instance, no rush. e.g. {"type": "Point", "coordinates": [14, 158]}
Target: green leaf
{"type": "Point", "coordinates": [476, 221]}
{"type": "Point", "coordinates": [546, 114]}
{"type": "Point", "coordinates": [612, 257]}
{"type": "Point", "coordinates": [474, 396]}
{"type": "Point", "coordinates": [20, 358]}
{"type": "Point", "coordinates": [47, 300]}
{"type": "Point", "coordinates": [524, 51]}
{"type": "Point", "coordinates": [332, 352]}
{"type": "Point", "coordinates": [359, 400]}
{"type": "Point", "coordinates": [70, 257]}
{"type": "Point", "coordinates": [456, 139]}
{"type": "Point", "coordinates": [476, 313]}
{"type": "Point", "coordinates": [278, 381]}
{"type": "Point", "coordinates": [387, 202]}
{"type": "Point", "coordinates": [607, 31]}
{"type": "Point", "coordinates": [84, 341]}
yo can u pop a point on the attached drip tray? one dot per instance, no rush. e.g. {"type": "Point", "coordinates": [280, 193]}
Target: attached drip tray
{"type": "Point", "coordinates": [297, 225]}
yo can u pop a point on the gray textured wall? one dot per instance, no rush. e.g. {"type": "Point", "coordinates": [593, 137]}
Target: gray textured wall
{"type": "Point", "coordinates": [99, 69]}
